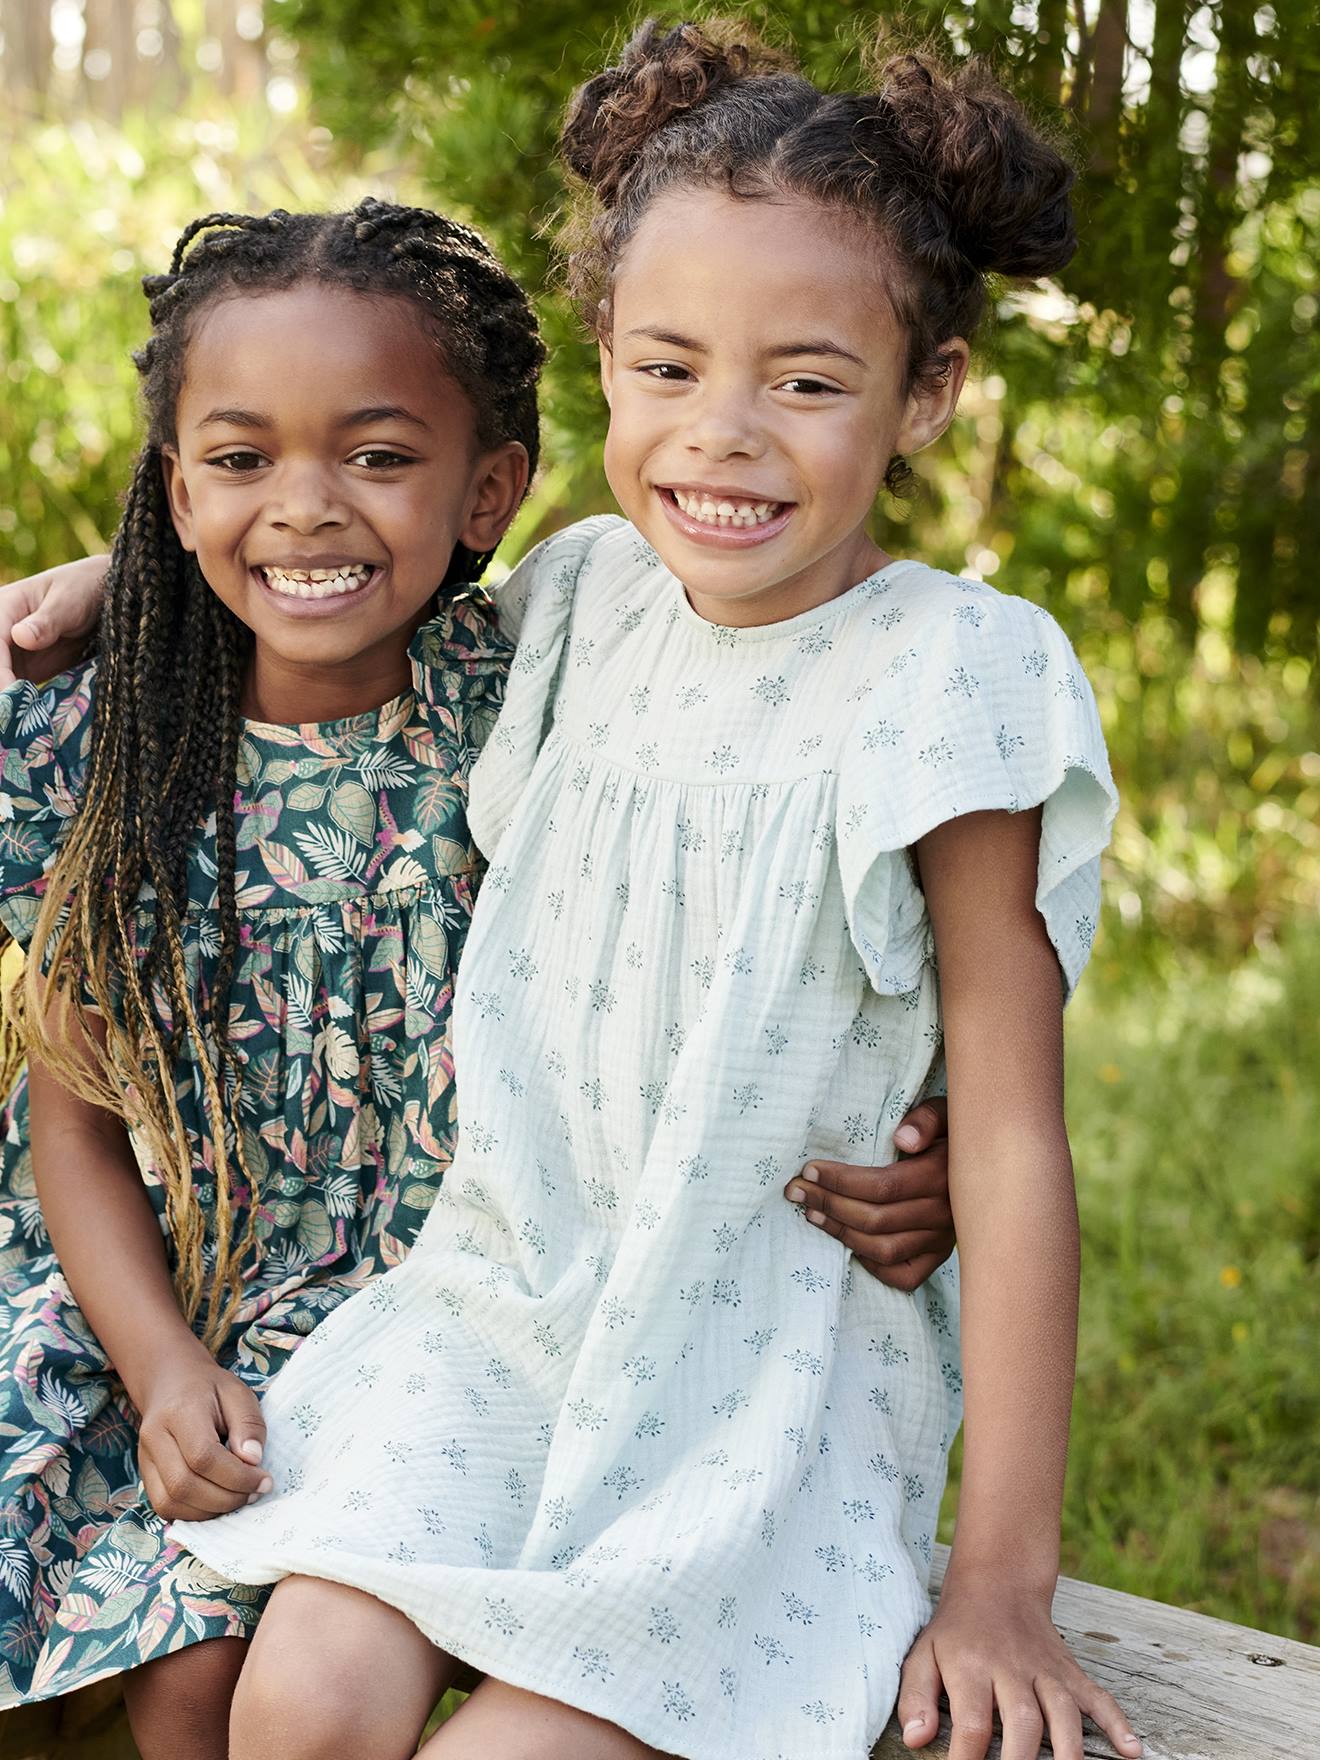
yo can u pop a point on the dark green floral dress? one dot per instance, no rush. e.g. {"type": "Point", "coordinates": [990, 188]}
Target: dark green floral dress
{"type": "Point", "coordinates": [356, 883]}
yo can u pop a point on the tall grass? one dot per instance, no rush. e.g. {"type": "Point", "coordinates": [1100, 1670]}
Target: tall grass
{"type": "Point", "coordinates": [1194, 1109]}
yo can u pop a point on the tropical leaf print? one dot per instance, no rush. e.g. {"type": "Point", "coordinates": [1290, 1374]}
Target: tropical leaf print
{"type": "Point", "coordinates": [355, 849]}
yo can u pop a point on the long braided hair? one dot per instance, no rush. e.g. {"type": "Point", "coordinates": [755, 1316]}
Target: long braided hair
{"type": "Point", "coordinates": [171, 660]}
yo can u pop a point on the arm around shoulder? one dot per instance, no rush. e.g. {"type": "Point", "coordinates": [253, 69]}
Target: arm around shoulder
{"type": "Point", "coordinates": [47, 618]}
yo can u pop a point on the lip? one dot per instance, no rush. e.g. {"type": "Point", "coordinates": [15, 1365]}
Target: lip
{"type": "Point", "coordinates": [333, 605]}
{"type": "Point", "coordinates": [724, 537]}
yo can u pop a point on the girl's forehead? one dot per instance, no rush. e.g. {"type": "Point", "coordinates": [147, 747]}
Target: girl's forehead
{"type": "Point", "coordinates": [763, 260]}
{"type": "Point", "coordinates": [314, 344]}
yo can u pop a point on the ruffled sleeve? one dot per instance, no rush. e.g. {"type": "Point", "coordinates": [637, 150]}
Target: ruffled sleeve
{"type": "Point", "coordinates": [44, 736]}
{"type": "Point", "coordinates": [460, 662]}
{"type": "Point", "coordinates": [984, 707]}
{"type": "Point", "coordinates": [535, 605]}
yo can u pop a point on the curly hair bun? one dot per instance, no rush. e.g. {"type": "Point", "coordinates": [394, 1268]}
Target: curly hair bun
{"type": "Point", "coordinates": [1002, 186]}
{"type": "Point", "coordinates": [662, 73]}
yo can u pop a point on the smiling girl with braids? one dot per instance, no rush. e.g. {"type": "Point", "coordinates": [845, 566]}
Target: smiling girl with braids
{"type": "Point", "coordinates": [235, 846]}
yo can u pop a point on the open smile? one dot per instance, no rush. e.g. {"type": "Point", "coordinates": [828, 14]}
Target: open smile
{"type": "Point", "coordinates": [728, 520]}
{"type": "Point", "coordinates": [308, 591]}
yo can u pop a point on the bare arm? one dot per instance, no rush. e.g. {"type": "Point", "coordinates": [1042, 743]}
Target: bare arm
{"type": "Point", "coordinates": [45, 619]}
{"type": "Point", "coordinates": [109, 1245]}
{"type": "Point", "coordinates": [992, 1643]}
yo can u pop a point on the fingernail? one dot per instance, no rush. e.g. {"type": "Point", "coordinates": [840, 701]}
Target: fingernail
{"type": "Point", "coordinates": [796, 1195]}
{"type": "Point", "coordinates": [907, 1136]}
{"type": "Point", "coordinates": [913, 1724]}
{"type": "Point", "coordinates": [253, 1496]}
{"type": "Point", "coordinates": [265, 1485]}
{"type": "Point", "coordinates": [815, 1216]}
{"type": "Point", "coordinates": [811, 1173]}
{"type": "Point", "coordinates": [250, 1450]}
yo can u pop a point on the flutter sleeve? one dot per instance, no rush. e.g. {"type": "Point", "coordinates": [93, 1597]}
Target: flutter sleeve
{"type": "Point", "coordinates": [44, 736]}
{"type": "Point", "coordinates": [535, 606]}
{"type": "Point", "coordinates": [985, 708]}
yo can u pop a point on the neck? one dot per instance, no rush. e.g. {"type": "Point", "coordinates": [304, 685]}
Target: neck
{"type": "Point", "coordinates": [831, 575]}
{"type": "Point", "coordinates": [279, 689]}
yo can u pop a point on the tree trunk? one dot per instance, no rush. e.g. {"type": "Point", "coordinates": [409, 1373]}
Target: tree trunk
{"type": "Point", "coordinates": [1104, 111]}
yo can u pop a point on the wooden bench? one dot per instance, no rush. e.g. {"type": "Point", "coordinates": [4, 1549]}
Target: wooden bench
{"type": "Point", "coordinates": [1195, 1689]}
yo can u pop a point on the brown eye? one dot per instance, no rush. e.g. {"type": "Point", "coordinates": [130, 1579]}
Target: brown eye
{"type": "Point", "coordinates": [238, 463]}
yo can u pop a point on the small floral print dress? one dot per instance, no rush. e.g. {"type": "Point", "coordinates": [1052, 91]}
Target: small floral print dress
{"type": "Point", "coordinates": [356, 883]}
{"type": "Point", "coordinates": [625, 1430]}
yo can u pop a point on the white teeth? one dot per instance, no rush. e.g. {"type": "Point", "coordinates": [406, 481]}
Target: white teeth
{"type": "Point", "coordinates": [726, 513]}
{"type": "Point", "coordinates": [318, 583]}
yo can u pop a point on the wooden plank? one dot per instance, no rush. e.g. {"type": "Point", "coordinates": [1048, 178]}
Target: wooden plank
{"type": "Point", "coordinates": [1195, 1688]}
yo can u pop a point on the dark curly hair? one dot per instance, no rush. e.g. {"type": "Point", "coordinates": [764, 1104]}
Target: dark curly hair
{"type": "Point", "coordinates": [166, 719]}
{"type": "Point", "coordinates": [936, 158]}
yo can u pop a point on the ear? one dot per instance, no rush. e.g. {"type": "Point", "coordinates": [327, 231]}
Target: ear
{"type": "Point", "coordinates": [499, 483]}
{"type": "Point", "coordinates": [176, 493]}
{"type": "Point", "coordinates": [929, 413]}
{"type": "Point", "coordinates": [606, 364]}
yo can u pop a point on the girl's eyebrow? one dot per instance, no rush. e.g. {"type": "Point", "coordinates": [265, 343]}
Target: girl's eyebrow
{"type": "Point", "coordinates": [381, 412]}
{"type": "Point", "coordinates": [358, 418]}
{"type": "Point", "coordinates": [782, 351]}
{"type": "Point", "coordinates": [816, 347]}
{"type": "Point", "coordinates": [234, 418]}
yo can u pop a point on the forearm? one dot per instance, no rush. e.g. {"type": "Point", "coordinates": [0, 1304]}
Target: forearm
{"type": "Point", "coordinates": [1019, 1326]}
{"type": "Point", "coordinates": [105, 1234]}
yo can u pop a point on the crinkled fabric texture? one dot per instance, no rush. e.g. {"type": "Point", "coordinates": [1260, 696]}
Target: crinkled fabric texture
{"type": "Point", "coordinates": [356, 884]}
{"type": "Point", "coordinates": [625, 1429]}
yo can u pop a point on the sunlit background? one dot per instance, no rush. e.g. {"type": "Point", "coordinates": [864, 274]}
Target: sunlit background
{"type": "Point", "coordinates": [1139, 450]}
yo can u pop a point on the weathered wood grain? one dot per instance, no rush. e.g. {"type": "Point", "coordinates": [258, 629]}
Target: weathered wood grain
{"type": "Point", "coordinates": [1195, 1688]}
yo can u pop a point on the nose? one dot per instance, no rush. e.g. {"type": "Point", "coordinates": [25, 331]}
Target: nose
{"type": "Point", "coordinates": [306, 496]}
{"type": "Point", "coordinates": [724, 423]}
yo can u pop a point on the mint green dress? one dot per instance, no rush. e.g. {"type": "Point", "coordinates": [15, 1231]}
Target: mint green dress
{"type": "Point", "coordinates": [357, 880]}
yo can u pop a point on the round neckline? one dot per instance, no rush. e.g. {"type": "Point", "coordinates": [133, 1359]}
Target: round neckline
{"type": "Point", "coordinates": [366, 721]}
{"type": "Point", "coordinates": [785, 627]}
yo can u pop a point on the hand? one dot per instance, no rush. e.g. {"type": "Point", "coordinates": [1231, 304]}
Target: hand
{"type": "Point", "coordinates": [994, 1648]}
{"type": "Point", "coordinates": [896, 1220]}
{"type": "Point", "coordinates": [46, 618]}
{"type": "Point", "coordinates": [199, 1448]}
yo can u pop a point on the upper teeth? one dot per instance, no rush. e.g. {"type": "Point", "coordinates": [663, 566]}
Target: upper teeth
{"type": "Point", "coordinates": [726, 513]}
{"type": "Point", "coordinates": [318, 583]}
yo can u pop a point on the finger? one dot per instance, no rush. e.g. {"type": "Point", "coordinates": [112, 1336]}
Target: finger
{"type": "Point", "coordinates": [923, 1125]}
{"type": "Point", "coordinates": [919, 1695]}
{"type": "Point", "coordinates": [1062, 1718]}
{"type": "Point", "coordinates": [244, 1426]}
{"type": "Point", "coordinates": [872, 1185]}
{"type": "Point", "coordinates": [868, 1217]}
{"type": "Point", "coordinates": [175, 1495]}
{"type": "Point", "coordinates": [918, 1178]}
{"type": "Point", "coordinates": [14, 606]}
{"type": "Point", "coordinates": [927, 1243]}
{"type": "Point", "coordinates": [1103, 1709]}
{"type": "Point", "coordinates": [200, 1448]}
{"type": "Point", "coordinates": [971, 1711]}
{"type": "Point", "coordinates": [910, 1275]}
{"type": "Point", "coordinates": [1023, 1725]}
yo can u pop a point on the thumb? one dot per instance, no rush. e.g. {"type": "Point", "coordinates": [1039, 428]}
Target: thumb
{"type": "Point", "coordinates": [919, 1696]}
{"type": "Point", "coordinates": [245, 1428]}
{"type": "Point", "coordinates": [923, 1125]}
{"type": "Point", "coordinates": [30, 632]}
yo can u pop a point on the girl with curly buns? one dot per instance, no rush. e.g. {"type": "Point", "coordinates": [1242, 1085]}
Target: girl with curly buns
{"type": "Point", "coordinates": [623, 1432]}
